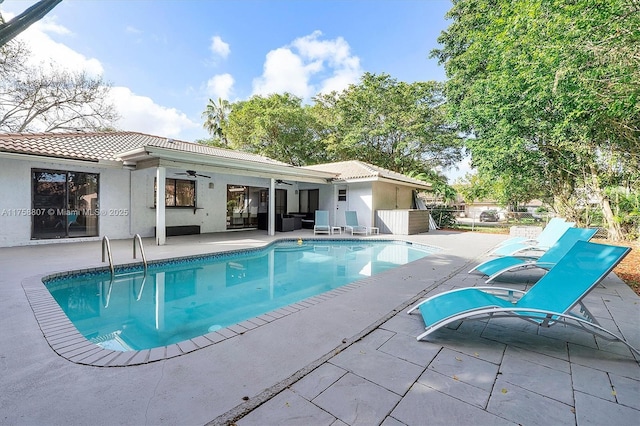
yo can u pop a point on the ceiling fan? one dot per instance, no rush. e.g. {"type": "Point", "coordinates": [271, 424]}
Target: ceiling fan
{"type": "Point", "coordinates": [192, 173]}
{"type": "Point", "coordinates": [281, 182]}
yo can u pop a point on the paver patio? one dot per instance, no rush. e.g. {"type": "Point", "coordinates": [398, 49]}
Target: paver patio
{"type": "Point", "coordinates": [351, 359]}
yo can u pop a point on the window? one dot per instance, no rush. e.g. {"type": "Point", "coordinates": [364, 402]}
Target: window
{"type": "Point", "coordinates": [281, 201]}
{"type": "Point", "coordinates": [309, 200]}
{"type": "Point", "coordinates": [178, 193]}
{"type": "Point", "coordinates": [237, 206]}
{"type": "Point", "coordinates": [64, 204]}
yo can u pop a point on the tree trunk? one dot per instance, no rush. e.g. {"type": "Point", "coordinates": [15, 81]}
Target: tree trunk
{"type": "Point", "coordinates": [615, 233]}
{"type": "Point", "coordinates": [563, 204]}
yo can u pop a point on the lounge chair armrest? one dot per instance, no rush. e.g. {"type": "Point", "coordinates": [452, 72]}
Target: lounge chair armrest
{"type": "Point", "coordinates": [493, 290]}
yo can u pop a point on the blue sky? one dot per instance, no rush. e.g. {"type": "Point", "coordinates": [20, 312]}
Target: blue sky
{"type": "Point", "coordinates": [166, 58]}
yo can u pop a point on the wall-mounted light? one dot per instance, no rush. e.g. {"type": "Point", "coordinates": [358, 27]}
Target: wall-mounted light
{"type": "Point", "coordinates": [211, 185]}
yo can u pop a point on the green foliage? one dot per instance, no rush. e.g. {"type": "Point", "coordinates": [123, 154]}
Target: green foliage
{"type": "Point", "coordinates": [626, 210]}
{"type": "Point", "coordinates": [216, 116]}
{"type": "Point", "coordinates": [396, 125]}
{"type": "Point", "coordinates": [443, 216]}
{"type": "Point", "coordinates": [550, 92]}
{"type": "Point", "coordinates": [439, 184]}
{"type": "Point", "coordinates": [472, 188]}
{"type": "Point", "coordinates": [391, 124]}
{"type": "Point", "coordinates": [277, 126]}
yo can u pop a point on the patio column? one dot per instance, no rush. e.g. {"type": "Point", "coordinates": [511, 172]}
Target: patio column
{"type": "Point", "coordinates": [160, 300]}
{"type": "Point", "coordinates": [161, 232]}
{"type": "Point", "coordinates": [272, 207]}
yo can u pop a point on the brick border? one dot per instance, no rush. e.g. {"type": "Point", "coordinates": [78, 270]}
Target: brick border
{"type": "Point", "coordinates": [66, 341]}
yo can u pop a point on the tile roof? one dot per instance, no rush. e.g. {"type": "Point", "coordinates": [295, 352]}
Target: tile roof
{"type": "Point", "coordinates": [107, 146]}
{"type": "Point", "coordinates": [356, 170]}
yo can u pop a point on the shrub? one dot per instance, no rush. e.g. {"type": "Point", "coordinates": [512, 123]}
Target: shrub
{"type": "Point", "coordinates": [444, 217]}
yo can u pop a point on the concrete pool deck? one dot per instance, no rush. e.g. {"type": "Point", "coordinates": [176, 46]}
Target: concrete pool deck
{"type": "Point", "coordinates": [349, 359]}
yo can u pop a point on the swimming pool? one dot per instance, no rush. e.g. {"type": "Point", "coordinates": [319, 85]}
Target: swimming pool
{"type": "Point", "coordinates": [181, 299]}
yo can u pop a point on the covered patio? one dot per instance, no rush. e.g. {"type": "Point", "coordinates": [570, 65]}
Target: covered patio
{"type": "Point", "coordinates": [245, 199]}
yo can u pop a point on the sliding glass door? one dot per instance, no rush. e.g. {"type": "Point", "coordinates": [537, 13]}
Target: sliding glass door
{"type": "Point", "coordinates": [64, 204]}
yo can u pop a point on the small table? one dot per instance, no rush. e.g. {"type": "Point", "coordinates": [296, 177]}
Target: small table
{"type": "Point", "coordinates": [374, 230]}
{"type": "Point", "coordinates": [336, 229]}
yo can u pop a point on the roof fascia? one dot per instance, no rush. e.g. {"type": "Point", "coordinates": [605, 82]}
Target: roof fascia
{"type": "Point", "coordinates": [154, 157]}
{"type": "Point", "coordinates": [425, 186]}
{"type": "Point", "coordinates": [60, 160]}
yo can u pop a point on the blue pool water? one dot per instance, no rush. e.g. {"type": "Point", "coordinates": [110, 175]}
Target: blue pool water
{"type": "Point", "coordinates": [186, 298]}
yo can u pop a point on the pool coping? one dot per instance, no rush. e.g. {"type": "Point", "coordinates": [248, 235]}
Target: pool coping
{"type": "Point", "coordinates": [66, 341]}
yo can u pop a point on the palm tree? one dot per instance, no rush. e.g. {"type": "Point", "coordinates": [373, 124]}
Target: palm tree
{"type": "Point", "coordinates": [215, 115]}
{"type": "Point", "coordinates": [8, 30]}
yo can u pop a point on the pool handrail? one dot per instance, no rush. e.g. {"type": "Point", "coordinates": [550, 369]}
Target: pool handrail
{"type": "Point", "coordinates": [138, 238]}
{"type": "Point", "coordinates": [106, 246]}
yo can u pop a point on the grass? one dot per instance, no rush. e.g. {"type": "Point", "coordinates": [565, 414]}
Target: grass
{"type": "Point", "coordinates": [483, 229]}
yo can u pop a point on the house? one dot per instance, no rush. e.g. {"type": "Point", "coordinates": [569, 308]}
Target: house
{"type": "Point", "coordinates": [368, 189]}
{"type": "Point", "coordinates": [57, 186]}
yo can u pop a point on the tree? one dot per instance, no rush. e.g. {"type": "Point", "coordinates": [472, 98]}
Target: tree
{"type": "Point", "coordinates": [216, 116]}
{"type": "Point", "coordinates": [277, 126]}
{"type": "Point", "coordinates": [40, 98]}
{"type": "Point", "coordinates": [439, 185]}
{"type": "Point", "coordinates": [549, 91]}
{"type": "Point", "coordinates": [396, 125]}
{"type": "Point", "coordinates": [8, 30]}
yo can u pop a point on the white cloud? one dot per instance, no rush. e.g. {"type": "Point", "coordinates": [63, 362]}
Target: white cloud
{"type": "Point", "coordinates": [132, 30]}
{"type": "Point", "coordinates": [139, 113]}
{"type": "Point", "coordinates": [309, 66]}
{"type": "Point", "coordinates": [142, 114]}
{"type": "Point", "coordinates": [342, 77]}
{"type": "Point", "coordinates": [220, 86]}
{"type": "Point", "coordinates": [284, 71]}
{"type": "Point", "coordinates": [51, 26]}
{"type": "Point", "coordinates": [46, 50]}
{"type": "Point", "coordinates": [335, 51]}
{"type": "Point", "coordinates": [219, 47]}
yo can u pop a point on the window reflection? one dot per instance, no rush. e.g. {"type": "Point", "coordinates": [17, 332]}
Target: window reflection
{"type": "Point", "coordinates": [64, 204]}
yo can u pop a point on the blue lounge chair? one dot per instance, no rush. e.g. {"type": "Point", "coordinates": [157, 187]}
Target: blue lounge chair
{"type": "Point", "coordinates": [495, 267]}
{"type": "Point", "coordinates": [321, 225]}
{"type": "Point", "coordinates": [547, 238]}
{"type": "Point", "coordinates": [352, 225]}
{"type": "Point", "coordinates": [550, 301]}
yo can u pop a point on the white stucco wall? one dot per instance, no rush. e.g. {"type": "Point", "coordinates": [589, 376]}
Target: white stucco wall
{"type": "Point", "coordinates": [15, 195]}
{"type": "Point", "coordinates": [15, 199]}
{"type": "Point", "coordinates": [126, 200]}
{"type": "Point", "coordinates": [326, 201]}
{"type": "Point", "coordinates": [360, 200]}
{"type": "Point", "coordinates": [211, 203]}
{"type": "Point", "coordinates": [210, 212]}
{"type": "Point", "coordinates": [388, 196]}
